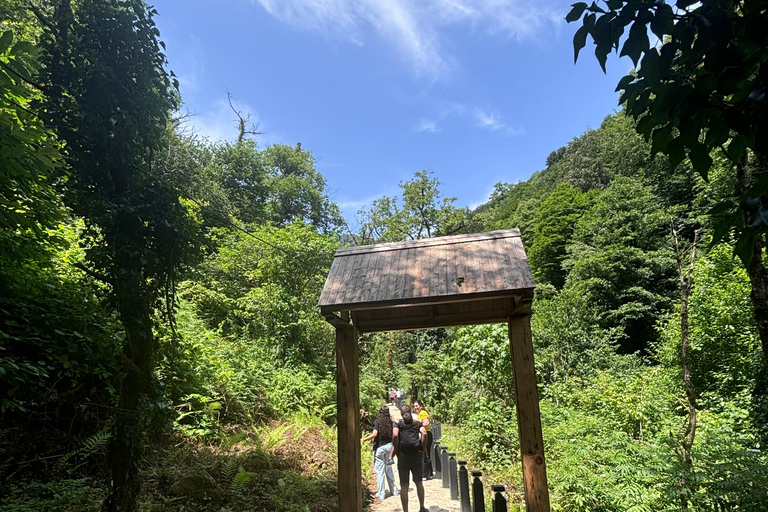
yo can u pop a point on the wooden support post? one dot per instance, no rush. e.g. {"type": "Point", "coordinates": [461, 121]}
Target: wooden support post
{"type": "Point", "coordinates": [528, 415]}
{"type": "Point", "coordinates": [348, 410]}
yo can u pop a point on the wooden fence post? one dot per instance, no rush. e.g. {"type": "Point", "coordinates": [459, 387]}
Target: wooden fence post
{"type": "Point", "coordinates": [453, 478]}
{"type": "Point", "coordinates": [478, 500]}
{"type": "Point", "coordinates": [498, 502]}
{"type": "Point", "coordinates": [445, 470]}
{"type": "Point", "coordinates": [464, 486]}
{"type": "Point", "coordinates": [528, 415]}
{"type": "Point", "coordinates": [348, 410]}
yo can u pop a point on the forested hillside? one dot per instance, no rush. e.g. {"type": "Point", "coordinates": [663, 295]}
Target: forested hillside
{"type": "Point", "coordinates": [161, 348]}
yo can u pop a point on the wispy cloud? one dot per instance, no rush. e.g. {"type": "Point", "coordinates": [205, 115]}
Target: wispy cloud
{"type": "Point", "coordinates": [446, 110]}
{"type": "Point", "coordinates": [414, 29]}
{"type": "Point", "coordinates": [490, 121]}
{"type": "Point", "coordinates": [478, 117]}
{"type": "Point", "coordinates": [425, 125]}
{"type": "Point", "coordinates": [517, 19]}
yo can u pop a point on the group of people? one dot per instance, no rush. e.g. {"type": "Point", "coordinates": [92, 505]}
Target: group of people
{"type": "Point", "coordinates": [397, 396]}
{"type": "Point", "coordinates": [396, 431]}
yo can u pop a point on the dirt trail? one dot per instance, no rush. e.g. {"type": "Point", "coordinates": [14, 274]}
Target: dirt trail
{"type": "Point", "coordinates": [436, 499]}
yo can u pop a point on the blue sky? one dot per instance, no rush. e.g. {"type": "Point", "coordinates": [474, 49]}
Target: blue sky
{"type": "Point", "coordinates": [476, 91]}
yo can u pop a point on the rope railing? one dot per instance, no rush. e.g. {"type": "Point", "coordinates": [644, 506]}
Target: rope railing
{"type": "Point", "coordinates": [454, 476]}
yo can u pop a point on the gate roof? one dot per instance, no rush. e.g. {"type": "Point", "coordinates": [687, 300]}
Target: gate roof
{"type": "Point", "coordinates": [434, 282]}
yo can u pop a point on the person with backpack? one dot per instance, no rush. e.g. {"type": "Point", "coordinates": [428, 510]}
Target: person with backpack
{"type": "Point", "coordinates": [409, 443]}
{"type": "Point", "coordinates": [382, 450]}
{"type": "Point", "coordinates": [423, 416]}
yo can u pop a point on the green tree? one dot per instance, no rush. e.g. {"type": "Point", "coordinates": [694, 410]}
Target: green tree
{"type": "Point", "coordinates": [724, 344]}
{"type": "Point", "coordinates": [108, 96]}
{"type": "Point", "coordinates": [422, 213]}
{"type": "Point", "coordinates": [29, 161]}
{"type": "Point", "coordinates": [702, 87]}
{"type": "Point", "coordinates": [263, 286]}
{"type": "Point", "coordinates": [568, 340]}
{"type": "Point", "coordinates": [620, 258]}
{"type": "Point", "coordinates": [555, 220]}
{"type": "Point", "coordinates": [296, 190]}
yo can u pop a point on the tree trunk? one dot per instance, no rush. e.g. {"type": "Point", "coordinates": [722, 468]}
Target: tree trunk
{"type": "Point", "coordinates": [686, 285]}
{"type": "Point", "coordinates": [128, 431]}
{"type": "Point", "coordinates": [758, 275]}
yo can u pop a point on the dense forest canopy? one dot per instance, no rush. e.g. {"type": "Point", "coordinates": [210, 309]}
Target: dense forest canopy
{"type": "Point", "coordinates": [161, 348]}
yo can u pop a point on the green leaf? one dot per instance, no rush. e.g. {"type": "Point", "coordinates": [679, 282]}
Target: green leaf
{"type": "Point", "coordinates": [636, 43]}
{"type": "Point", "coordinates": [596, 8]}
{"type": "Point", "coordinates": [661, 137]}
{"type": "Point", "coordinates": [745, 247]}
{"type": "Point", "coordinates": [699, 155]}
{"type": "Point", "coordinates": [5, 41]}
{"type": "Point", "coordinates": [717, 135]}
{"type": "Point", "coordinates": [23, 47]}
{"type": "Point", "coordinates": [720, 229]}
{"type": "Point", "coordinates": [576, 12]}
{"type": "Point", "coordinates": [650, 65]}
{"type": "Point", "coordinates": [663, 21]}
{"type": "Point", "coordinates": [579, 42]}
{"type": "Point", "coordinates": [721, 208]}
{"type": "Point", "coordinates": [624, 82]}
{"type": "Point", "coordinates": [676, 152]}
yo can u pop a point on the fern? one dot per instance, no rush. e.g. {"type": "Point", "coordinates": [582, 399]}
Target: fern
{"type": "Point", "coordinates": [91, 445]}
{"type": "Point", "coordinates": [228, 473]}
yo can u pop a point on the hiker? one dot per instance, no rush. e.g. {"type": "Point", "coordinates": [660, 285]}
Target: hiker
{"type": "Point", "coordinates": [423, 416]}
{"type": "Point", "coordinates": [409, 442]}
{"type": "Point", "coordinates": [382, 450]}
{"type": "Point", "coordinates": [394, 411]}
{"type": "Point", "coordinates": [399, 397]}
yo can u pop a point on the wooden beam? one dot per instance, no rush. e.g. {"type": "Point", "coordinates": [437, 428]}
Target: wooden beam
{"type": "Point", "coordinates": [528, 415]}
{"type": "Point", "coordinates": [440, 299]}
{"type": "Point", "coordinates": [348, 410]}
{"type": "Point", "coordinates": [335, 320]}
{"type": "Point", "coordinates": [432, 322]}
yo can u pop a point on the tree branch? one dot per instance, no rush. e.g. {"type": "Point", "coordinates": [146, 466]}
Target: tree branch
{"type": "Point", "coordinates": [93, 273]}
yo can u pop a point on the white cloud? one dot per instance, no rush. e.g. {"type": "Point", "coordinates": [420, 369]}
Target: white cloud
{"type": "Point", "coordinates": [490, 121]}
{"type": "Point", "coordinates": [425, 125]}
{"type": "Point", "coordinates": [414, 27]}
{"type": "Point", "coordinates": [480, 118]}
{"type": "Point", "coordinates": [444, 111]}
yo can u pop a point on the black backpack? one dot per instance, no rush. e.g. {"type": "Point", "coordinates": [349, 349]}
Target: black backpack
{"type": "Point", "coordinates": [410, 437]}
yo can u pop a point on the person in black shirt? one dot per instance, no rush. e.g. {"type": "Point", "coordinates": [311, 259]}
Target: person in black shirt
{"type": "Point", "coordinates": [409, 442]}
{"type": "Point", "coordinates": [382, 447]}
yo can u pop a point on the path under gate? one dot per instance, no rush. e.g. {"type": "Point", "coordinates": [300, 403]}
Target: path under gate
{"type": "Point", "coordinates": [436, 499]}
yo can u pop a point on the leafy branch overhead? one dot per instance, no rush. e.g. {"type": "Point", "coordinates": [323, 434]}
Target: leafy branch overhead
{"type": "Point", "coordinates": [701, 85]}
{"type": "Point", "coordinates": [700, 78]}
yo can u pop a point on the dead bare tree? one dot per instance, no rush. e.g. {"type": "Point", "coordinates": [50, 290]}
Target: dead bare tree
{"type": "Point", "coordinates": [683, 449]}
{"type": "Point", "coordinates": [243, 120]}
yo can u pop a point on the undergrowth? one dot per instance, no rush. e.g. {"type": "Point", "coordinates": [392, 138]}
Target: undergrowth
{"type": "Point", "coordinates": [282, 465]}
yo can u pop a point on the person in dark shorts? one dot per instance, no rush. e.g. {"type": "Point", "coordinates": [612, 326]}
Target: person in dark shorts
{"type": "Point", "coordinates": [409, 443]}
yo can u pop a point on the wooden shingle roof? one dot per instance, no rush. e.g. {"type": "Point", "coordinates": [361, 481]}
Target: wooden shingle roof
{"type": "Point", "coordinates": [452, 280]}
